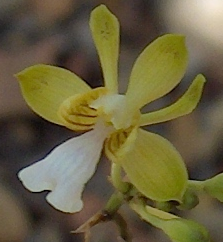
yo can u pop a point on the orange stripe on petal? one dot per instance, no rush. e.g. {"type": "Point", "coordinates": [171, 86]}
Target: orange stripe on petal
{"type": "Point", "coordinates": [76, 113]}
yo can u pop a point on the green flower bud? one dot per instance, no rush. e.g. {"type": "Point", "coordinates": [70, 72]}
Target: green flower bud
{"type": "Point", "coordinates": [190, 200]}
{"type": "Point", "coordinates": [166, 206]}
{"type": "Point", "coordinates": [182, 230]}
{"type": "Point", "coordinates": [178, 229]}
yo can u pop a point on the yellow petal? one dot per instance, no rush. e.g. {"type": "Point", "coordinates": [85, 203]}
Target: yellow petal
{"type": "Point", "coordinates": [155, 168]}
{"type": "Point", "coordinates": [105, 31]}
{"type": "Point", "coordinates": [158, 69]}
{"type": "Point", "coordinates": [185, 105]}
{"type": "Point", "coordinates": [45, 87]}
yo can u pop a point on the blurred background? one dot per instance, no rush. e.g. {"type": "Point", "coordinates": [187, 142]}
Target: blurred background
{"type": "Point", "coordinates": [57, 32]}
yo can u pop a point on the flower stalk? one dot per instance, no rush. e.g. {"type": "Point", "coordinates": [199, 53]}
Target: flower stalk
{"type": "Point", "coordinates": [117, 180]}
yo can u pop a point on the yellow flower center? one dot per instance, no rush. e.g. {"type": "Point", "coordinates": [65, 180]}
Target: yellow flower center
{"type": "Point", "coordinates": [81, 112]}
{"type": "Point", "coordinates": [76, 113]}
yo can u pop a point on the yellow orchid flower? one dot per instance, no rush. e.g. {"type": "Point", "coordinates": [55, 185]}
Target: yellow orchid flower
{"type": "Point", "coordinates": [110, 120]}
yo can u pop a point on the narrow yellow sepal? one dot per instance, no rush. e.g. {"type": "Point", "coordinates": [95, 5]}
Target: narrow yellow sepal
{"type": "Point", "coordinates": [157, 70]}
{"type": "Point", "coordinates": [105, 32]}
{"type": "Point", "coordinates": [45, 87]}
{"type": "Point", "coordinates": [185, 105]}
{"type": "Point", "coordinates": [155, 168]}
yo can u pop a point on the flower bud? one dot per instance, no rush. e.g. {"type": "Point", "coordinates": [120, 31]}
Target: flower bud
{"type": "Point", "coordinates": [189, 201]}
{"type": "Point", "coordinates": [182, 230]}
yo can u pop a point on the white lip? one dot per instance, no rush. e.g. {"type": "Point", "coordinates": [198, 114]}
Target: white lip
{"type": "Point", "coordinates": [67, 169]}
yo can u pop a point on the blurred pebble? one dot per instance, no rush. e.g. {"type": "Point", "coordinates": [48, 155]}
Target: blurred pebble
{"type": "Point", "coordinates": [14, 220]}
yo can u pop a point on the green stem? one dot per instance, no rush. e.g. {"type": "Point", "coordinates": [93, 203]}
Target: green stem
{"type": "Point", "coordinates": [196, 185]}
{"type": "Point", "coordinates": [116, 178]}
{"type": "Point", "coordinates": [112, 206]}
{"type": "Point", "coordinates": [114, 203]}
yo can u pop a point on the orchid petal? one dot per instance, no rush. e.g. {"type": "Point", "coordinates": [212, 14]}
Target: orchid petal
{"type": "Point", "coordinates": [155, 167]}
{"type": "Point", "coordinates": [45, 87]}
{"type": "Point", "coordinates": [158, 69]}
{"type": "Point", "coordinates": [105, 32]}
{"type": "Point", "coordinates": [66, 170]}
{"type": "Point", "coordinates": [185, 105]}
